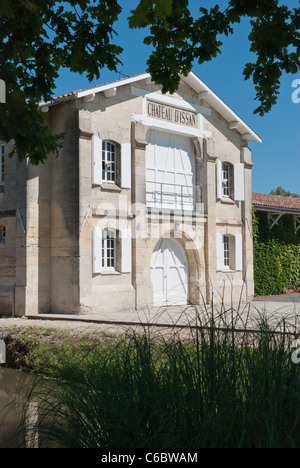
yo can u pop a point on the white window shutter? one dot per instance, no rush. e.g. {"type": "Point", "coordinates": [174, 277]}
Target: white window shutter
{"type": "Point", "coordinates": [219, 180]}
{"type": "Point", "coordinates": [239, 182]}
{"type": "Point", "coordinates": [220, 253]}
{"type": "Point", "coordinates": [126, 251]}
{"type": "Point", "coordinates": [126, 165]}
{"type": "Point", "coordinates": [97, 160]}
{"type": "Point", "coordinates": [97, 250]}
{"type": "Point", "coordinates": [239, 252]}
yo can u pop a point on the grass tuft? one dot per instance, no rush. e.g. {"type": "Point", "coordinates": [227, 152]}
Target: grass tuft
{"type": "Point", "coordinates": [216, 384]}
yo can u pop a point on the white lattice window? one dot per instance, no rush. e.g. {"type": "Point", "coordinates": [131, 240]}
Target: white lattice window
{"type": "Point", "coordinates": [226, 247]}
{"type": "Point", "coordinates": [229, 252]}
{"type": "Point", "coordinates": [108, 162]}
{"type": "Point", "coordinates": [226, 183]}
{"type": "Point", "coordinates": [108, 250]}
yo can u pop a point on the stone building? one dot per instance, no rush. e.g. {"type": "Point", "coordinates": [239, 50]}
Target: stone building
{"type": "Point", "coordinates": [148, 204]}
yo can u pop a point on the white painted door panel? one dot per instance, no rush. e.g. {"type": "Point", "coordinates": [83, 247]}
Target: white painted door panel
{"type": "Point", "coordinates": [170, 173]}
{"type": "Point", "coordinates": [169, 274]}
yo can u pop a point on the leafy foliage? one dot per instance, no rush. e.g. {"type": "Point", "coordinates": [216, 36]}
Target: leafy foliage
{"type": "Point", "coordinates": [179, 39]}
{"type": "Point", "coordinates": [38, 38]}
{"type": "Point", "coordinates": [276, 256]}
{"type": "Point", "coordinates": [284, 193]}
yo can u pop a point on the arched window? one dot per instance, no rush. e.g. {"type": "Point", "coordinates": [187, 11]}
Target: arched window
{"type": "Point", "coordinates": [230, 181]}
{"type": "Point", "coordinates": [112, 250]}
{"type": "Point", "coordinates": [226, 180]}
{"type": "Point", "coordinates": [229, 252]}
{"type": "Point", "coordinates": [109, 162]}
{"type": "Point", "coordinates": [108, 250]}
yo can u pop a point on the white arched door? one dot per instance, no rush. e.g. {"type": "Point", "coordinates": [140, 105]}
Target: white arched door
{"type": "Point", "coordinates": [169, 273]}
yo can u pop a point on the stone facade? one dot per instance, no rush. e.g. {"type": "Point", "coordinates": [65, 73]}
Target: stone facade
{"type": "Point", "coordinates": [56, 215]}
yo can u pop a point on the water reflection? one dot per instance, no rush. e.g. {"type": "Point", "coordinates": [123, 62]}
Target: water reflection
{"type": "Point", "coordinates": [13, 386]}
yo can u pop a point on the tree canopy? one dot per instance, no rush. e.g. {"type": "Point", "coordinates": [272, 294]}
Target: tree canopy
{"type": "Point", "coordinates": [38, 38]}
{"type": "Point", "coordinates": [284, 193]}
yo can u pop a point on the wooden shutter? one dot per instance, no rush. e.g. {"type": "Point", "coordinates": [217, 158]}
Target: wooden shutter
{"type": "Point", "coordinates": [220, 253]}
{"type": "Point", "coordinates": [239, 182]}
{"type": "Point", "coordinates": [219, 180]}
{"type": "Point", "coordinates": [126, 251]}
{"type": "Point", "coordinates": [239, 252]}
{"type": "Point", "coordinates": [97, 160]}
{"type": "Point", "coordinates": [126, 165]}
{"type": "Point", "coordinates": [97, 250]}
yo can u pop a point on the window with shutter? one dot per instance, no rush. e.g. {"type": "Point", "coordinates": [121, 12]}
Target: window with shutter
{"type": "Point", "coordinates": [97, 250]}
{"type": "Point", "coordinates": [229, 252]}
{"type": "Point", "coordinates": [126, 251]}
{"type": "Point", "coordinates": [219, 180]}
{"type": "Point", "coordinates": [239, 252]}
{"type": "Point", "coordinates": [239, 182]}
{"type": "Point", "coordinates": [108, 250]}
{"type": "Point", "coordinates": [126, 166]}
{"type": "Point", "coordinates": [220, 253]}
{"type": "Point", "coordinates": [109, 162]}
{"type": "Point", "coordinates": [97, 160]}
{"type": "Point", "coordinates": [226, 180]}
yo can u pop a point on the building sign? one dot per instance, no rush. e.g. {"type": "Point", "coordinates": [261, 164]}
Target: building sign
{"type": "Point", "coordinates": [172, 114]}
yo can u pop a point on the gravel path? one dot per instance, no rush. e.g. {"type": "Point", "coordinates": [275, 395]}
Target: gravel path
{"type": "Point", "coordinates": [76, 326]}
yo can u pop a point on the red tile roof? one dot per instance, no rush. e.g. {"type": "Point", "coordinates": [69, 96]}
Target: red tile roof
{"type": "Point", "coordinates": [67, 94]}
{"type": "Point", "coordinates": [276, 201]}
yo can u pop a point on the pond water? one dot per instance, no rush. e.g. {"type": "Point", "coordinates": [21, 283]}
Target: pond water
{"type": "Point", "coordinates": [13, 386]}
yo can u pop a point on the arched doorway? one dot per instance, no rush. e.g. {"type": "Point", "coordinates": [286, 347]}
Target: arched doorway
{"type": "Point", "coordinates": [169, 273]}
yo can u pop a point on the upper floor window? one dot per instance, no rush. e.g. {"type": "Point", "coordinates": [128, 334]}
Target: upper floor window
{"type": "Point", "coordinates": [111, 163]}
{"type": "Point", "coordinates": [230, 181]}
{"type": "Point", "coordinates": [226, 180]}
{"type": "Point", "coordinates": [2, 163]}
{"type": "Point", "coordinates": [109, 152]}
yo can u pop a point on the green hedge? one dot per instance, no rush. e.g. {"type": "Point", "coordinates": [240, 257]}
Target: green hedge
{"type": "Point", "coordinates": [276, 256]}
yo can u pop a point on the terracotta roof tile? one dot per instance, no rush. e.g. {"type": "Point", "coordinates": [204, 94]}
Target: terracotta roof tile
{"type": "Point", "coordinates": [276, 201]}
{"type": "Point", "coordinates": [66, 95]}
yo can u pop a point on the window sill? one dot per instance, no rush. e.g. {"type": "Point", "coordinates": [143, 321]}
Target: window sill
{"type": "Point", "coordinates": [227, 201]}
{"type": "Point", "coordinates": [110, 273]}
{"type": "Point", "coordinates": [227, 270]}
{"type": "Point", "coordinates": [107, 187]}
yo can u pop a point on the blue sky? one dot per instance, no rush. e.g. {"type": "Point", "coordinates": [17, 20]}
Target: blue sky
{"type": "Point", "coordinates": [277, 159]}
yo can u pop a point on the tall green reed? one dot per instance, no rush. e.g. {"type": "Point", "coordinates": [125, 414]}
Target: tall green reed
{"type": "Point", "coordinates": [213, 384]}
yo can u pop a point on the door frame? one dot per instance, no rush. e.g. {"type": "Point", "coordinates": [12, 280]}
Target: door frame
{"type": "Point", "coordinates": [183, 251]}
